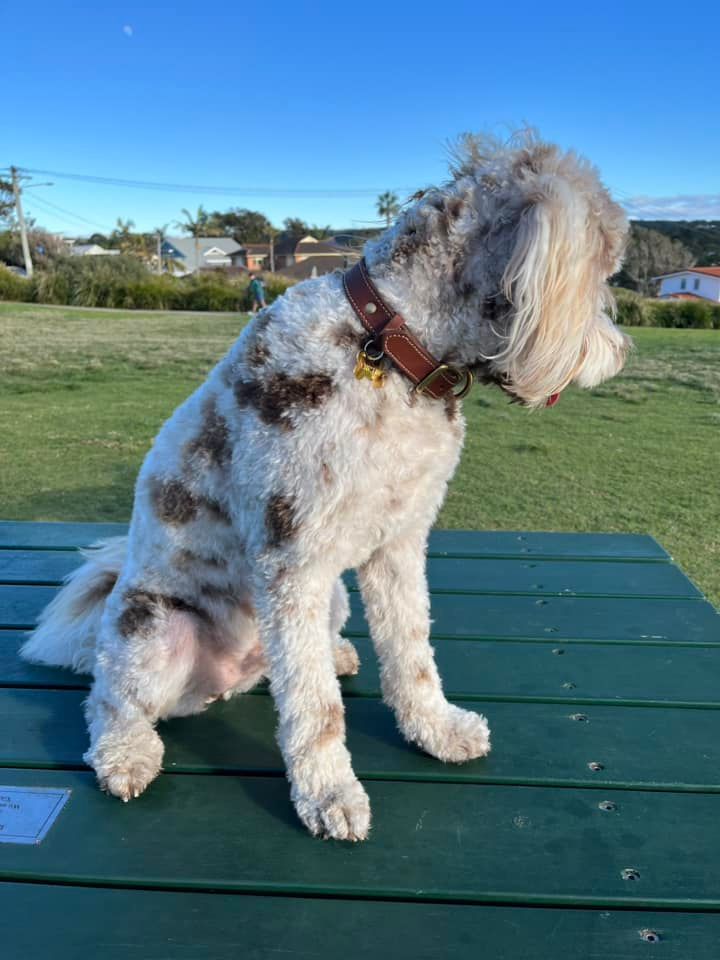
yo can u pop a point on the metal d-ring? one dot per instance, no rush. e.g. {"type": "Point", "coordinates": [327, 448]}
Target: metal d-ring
{"type": "Point", "coordinates": [373, 358]}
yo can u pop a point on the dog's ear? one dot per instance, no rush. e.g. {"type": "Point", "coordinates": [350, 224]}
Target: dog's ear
{"type": "Point", "coordinates": [554, 282]}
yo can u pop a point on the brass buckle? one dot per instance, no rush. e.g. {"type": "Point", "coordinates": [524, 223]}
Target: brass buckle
{"type": "Point", "coordinates": [461, 375]}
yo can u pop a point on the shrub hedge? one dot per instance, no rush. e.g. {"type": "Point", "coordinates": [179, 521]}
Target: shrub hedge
{"type": "Point", "coordinates": [125, 283]}
{"type": "Point", "coordinates": [636, 311]}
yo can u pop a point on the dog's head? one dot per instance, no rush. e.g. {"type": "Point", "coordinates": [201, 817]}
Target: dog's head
{"type": "Point", "coordinates": [529, 235]}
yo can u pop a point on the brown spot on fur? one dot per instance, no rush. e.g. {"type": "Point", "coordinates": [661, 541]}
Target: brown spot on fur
{"type": "Point", "coordinates": [212, 445]}
{"type": "Point", "coordinates": [454, 207]}
{"type": "Point", "coordinates": [216, 510]}
{"type": "Point", "coordinates": [346, 337]}
{"type": "Point", "coordinates": [247, 609]}
{"type": "Point", "coordinates": [142, 608]}
{"type": "Point", "coordinates": [212, 591]}
{"type": "Point", "coordinates": [327, 474]}
{"type": "Point", "coordinates": [174, 503]}
{"type": "Point", "coordinates": [423, 676]}
{"type": "Point", "coordinates": [258, 354]}
{"type": "Point", "coordinates": [280, 520]}
{"type": "Point", "coordinates": [451, 407]}
{"type": "Point", "coordinates": [408, 244]}
{"type": "Point", "coordinates": [278, 397]}
{"type": "Point", "coordinates": [333, 727]}
{"type": "Point", "coordinates": [188, 559]}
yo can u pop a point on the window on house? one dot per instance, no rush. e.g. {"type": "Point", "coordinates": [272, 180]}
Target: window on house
{"type": "Point", "coordinates": [683, 283]}
{"type": "Point", "coordinates": [696, 283]}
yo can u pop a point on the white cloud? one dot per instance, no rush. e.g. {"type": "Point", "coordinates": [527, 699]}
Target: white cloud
{"type": "Point", "coordinates": [700, 206]}
{"type": "Point", "coordinates": [128, 30]}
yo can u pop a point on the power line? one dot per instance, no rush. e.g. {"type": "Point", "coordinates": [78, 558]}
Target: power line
{"type": "Point", "coordinates": [76, 216]}
{"type": "Point", "coordinates": [217, 190]}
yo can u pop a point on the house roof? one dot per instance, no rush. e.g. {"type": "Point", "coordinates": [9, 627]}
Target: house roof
{"type": "Point", "coordinates": [683, 296]}
{"type": "Point", "coordinates": [321, 265]}
{"type": "Point", "coordinates": [318, 247]}
{"type": "Point", "coordinates": [185, 246]}
{"type": "Point", "coordinates": [708, 271]}
{"type": "Point", "coordinates": [257, 248]}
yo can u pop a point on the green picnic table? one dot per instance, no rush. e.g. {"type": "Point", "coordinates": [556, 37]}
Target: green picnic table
{"type": "Point", "coordinates": [591, 831]}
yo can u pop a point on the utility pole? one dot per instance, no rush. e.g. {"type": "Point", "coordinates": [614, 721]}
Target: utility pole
{"type": "Point", "coordinates": [15, 174]}
{"type": "Point", "coordinates": [272, 250]}
{"type": "Point", "coordinates": [159, 251]}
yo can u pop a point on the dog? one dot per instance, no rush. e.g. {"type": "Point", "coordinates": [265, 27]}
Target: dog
{"type": "Point", "coordinates": [313, 448]}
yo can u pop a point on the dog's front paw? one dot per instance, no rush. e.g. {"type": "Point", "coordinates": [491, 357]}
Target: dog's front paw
{"type": "Point", "coordinates": [341, 814]}
{"type": "Point", "coordinates": [125, 769]}
{"type": "Point", "coordinates": [456, 735]}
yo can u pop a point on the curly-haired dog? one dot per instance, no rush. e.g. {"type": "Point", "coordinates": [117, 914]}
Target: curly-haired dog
{"type": "Point", "coordinates": [302, 456]}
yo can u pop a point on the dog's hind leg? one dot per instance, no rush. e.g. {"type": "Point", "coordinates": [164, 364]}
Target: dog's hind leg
{"type": "Point", "coordinates": [397, 606]}
{"type": "Point", "coordinates": [146, 656]}
{"type": "Point", "coordinates": [347, 662]}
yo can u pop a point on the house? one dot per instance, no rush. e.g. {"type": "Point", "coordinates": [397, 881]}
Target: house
{"type": "Point", "coordinates": [91, 250]}
{"type": "Point", "coordinates": [693, 283]}
{"type": "Point", "coordinates": [192, 254]}
{"type": "Point", "coordinates": [310, 257]}
{"type": "Point", "coordinates": [257, 256]}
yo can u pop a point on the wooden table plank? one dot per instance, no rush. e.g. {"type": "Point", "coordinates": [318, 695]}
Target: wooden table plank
{"type": "Point", "coordinates": [16, 535]}
{"type": "Point", "coordinates": [22, 535]}
{"type": "Point", "coordinates": [435, 841]}
{"type": "Point", "coordinates": [535, 577]}
{"type": "Point", "coordinates": [159, 925]}
{"type": "Point", "coordinates": [532, 743]}
{"type": "Point", "coordinates": [655, 675]}
{"type": "Point", "coordinates": [493, 617]}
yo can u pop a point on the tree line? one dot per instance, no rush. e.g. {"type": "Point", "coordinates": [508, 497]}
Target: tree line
{"type": "Point", "coordinates": [654, 247]}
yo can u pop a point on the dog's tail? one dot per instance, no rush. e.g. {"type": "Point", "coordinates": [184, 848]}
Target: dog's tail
{"type": "Point", "coordinates": [67, 627]}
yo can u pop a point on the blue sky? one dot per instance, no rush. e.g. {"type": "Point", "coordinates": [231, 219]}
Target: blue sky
{"type": "Point", "coordinates": [333, 97]}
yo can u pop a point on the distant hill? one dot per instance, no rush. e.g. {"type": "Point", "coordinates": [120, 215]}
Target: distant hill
{"type": "Point", "coordinates": [701, 237]}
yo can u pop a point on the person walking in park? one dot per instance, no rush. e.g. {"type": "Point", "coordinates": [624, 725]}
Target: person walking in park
{"type": "Point", "coordinates": [257, 293]}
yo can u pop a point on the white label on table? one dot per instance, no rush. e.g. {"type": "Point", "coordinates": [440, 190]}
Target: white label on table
{"type": "Point", "coordinates": [27, 813]}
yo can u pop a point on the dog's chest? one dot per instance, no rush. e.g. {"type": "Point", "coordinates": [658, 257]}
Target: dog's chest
{"type": "Point", "coordinates": [398, 480]}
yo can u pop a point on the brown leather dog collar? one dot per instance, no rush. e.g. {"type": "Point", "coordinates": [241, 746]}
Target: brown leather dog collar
{"type": "Point", "coordinates": [392, 338]}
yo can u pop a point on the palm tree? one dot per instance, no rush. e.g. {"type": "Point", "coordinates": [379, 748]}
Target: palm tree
{"type": "Point", "coordinates": [388, 206]}
{"type": "Point", "coordinates": [196, 226]}
{"type": "Point", "coordinates": [123, 235]}
{"type": "Point", "coordinates": [160, 234]}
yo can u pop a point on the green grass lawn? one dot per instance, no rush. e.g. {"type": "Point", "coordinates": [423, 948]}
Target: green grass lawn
{"type": "Point", "coordinates": [82, 393]}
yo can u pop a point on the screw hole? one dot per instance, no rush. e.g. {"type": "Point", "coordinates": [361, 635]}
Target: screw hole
{"type": "Point", "coordinates": [607, 805]}
{"type": "Point", "coordinates": [550, 629]}
{"type": "Point", "coordinates": [558, 651]}
{"type": "Point", "coordinates": [540, 603]}
{"type": "Point", "coordinates": [650, 936]}
{"type": "Point", "coordinates": [579, 717]}
{"type": "Point", "coordinates": [630, 873]}
{"type": "Point", "coordinates": [568, 685]}
{"type": "Point", "coordinates": [595, 766]}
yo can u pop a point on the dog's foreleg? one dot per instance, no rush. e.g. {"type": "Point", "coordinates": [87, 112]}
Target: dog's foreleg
{"type": "Point", "coordinates": [295, 623]}
{"type": "Point", "coordinates": [397, 606]}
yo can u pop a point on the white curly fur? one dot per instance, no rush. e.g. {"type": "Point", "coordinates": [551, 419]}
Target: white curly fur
{"type": "Point", "coordinates": [282, 471]}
